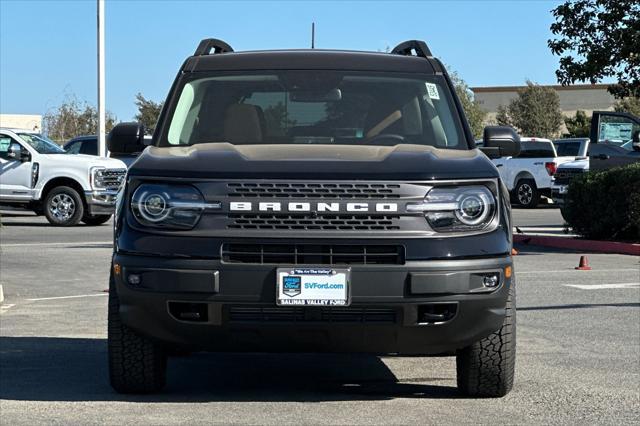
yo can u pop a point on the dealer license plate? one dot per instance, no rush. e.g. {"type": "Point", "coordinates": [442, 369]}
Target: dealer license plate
{"type": "Point", "coordinates": [313, 286]}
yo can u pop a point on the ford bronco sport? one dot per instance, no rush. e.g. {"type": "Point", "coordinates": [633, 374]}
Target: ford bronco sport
{"type": "Point", "coordinates": [310, 200]}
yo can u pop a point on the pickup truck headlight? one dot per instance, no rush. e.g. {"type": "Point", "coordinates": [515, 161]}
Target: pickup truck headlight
{"type": "Point", "coordinates": [167, 206]}
{"type": "Point", "coordinates": [458, 208]}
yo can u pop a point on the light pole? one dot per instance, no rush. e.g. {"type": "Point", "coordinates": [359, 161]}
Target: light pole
{"type": "Point", "coordinates": [102, 148]}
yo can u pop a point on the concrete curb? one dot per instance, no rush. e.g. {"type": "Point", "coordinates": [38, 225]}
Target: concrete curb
{"type": "Point", "coordinates": [579, 244]}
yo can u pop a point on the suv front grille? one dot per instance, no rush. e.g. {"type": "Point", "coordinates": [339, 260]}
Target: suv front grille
{"type": "Point", "coordinates": [564, 176]}
{"type": "Point", "coordinates": [316, 314]}
{"type": "Point", "coordinates": [325, 254]}
{"type": "Point", "coordinates": [314, 222]}
{"type": "Point", "coordinates": [314, 190]}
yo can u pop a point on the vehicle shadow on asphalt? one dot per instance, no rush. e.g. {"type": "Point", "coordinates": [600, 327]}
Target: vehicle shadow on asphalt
{"type": "Point", "coordinates": [46, 224]}
{"type": "Point", "coordinates": [68, 369]}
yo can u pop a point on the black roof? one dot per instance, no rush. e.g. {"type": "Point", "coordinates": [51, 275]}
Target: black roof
{"type": "Point", "coordinates": [399, 60]}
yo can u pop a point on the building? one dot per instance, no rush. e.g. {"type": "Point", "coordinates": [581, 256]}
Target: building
{"type": "Point", "coordinates": [585, 97]}
{"type": "Point", "coordinates": [21, 121]}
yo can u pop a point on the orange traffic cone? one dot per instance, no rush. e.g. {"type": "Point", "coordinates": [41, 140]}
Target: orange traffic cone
{"type": "Point", "coordinates": [584, 264]}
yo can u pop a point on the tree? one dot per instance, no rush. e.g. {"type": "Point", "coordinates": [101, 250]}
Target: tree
{"type": "Point", "coordinates": [578, 126]}
{"type": "Point", "coordinates": [148, 112]}
{"type": "Point", "coordinates": [74, 118]}
{"type": "Point", "coordinates": [535, 112]}
{"type": "Point", "coordinates": [630, 105]}
{"type": "Point", "coordinates": [598, 39]}
{"type": "Point", "coordinates": [472, 109]}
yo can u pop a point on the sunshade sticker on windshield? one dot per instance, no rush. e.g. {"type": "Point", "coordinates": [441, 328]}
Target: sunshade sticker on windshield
{"type": "Point", "coordinates": [432, 91]}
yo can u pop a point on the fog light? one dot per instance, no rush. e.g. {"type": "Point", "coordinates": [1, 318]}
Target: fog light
{"type": "Point", "coordinates": [134, 279]}
{"type": "Point", "coordinates": [490, 281]}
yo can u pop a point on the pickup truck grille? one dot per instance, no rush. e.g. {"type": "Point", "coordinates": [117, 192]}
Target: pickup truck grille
{"type": "Point", "coordinates": [301, 314]}
{"type": "Point", "coordinates": [311, 222]}
{"type": "Point", "coordinates": [313, 190]}
{"type": "Point", "coordinates": [564, 175]}
{"type": "Point", "coordinates": [316, 254]}
{"type": "Point", "coordinates": [112, 179]}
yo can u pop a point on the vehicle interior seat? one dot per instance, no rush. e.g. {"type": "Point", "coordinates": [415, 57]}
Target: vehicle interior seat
{"type": "Point", "coordinates": [244, 124]}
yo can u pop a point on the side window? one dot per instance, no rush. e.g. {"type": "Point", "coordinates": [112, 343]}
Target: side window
{"type": "Point", "coordinates": [74, 148]}
{"type": "Point", "coordinates": [5, 141]}
{"type": "Point", "coordinates": [89, 148]}
{"type": "Point", "coordinates": [617, 130]}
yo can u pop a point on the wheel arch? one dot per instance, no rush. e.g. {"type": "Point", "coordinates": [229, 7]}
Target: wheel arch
{"type": "Point", "coordinates": [524, 174]}
{"type": "Point", "coordinates": [62, 181]}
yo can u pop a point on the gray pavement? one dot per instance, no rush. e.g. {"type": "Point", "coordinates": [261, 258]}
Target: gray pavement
{"type": "Point", "coordinates": [578, 351]}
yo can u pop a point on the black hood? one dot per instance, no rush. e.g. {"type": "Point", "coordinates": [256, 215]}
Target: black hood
{"type": "Point", "coordinates": [400, 162]}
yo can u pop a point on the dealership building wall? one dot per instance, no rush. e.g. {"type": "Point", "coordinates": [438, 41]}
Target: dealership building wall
{"type": "Point", "coordinates": [21, 121]}
{"type": "Point", "coordinates": [585, 97]}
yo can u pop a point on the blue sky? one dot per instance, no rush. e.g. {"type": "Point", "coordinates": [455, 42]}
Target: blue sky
{"type": "Point", "coordinates": [48, 48]}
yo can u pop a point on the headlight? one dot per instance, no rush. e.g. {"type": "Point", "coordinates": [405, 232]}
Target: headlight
{"type": "Point", "coordinates": [168, 206]}
{"type": "Point", "coordinates": [458, 208]}
{"type": "Point", "coordinates": [96, 176]}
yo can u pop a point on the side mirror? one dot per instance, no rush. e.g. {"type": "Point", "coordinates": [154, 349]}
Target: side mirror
{"type": "Point", "coordinates": [15, 152]}
{"type": "Point", "coordinates": [126, 138]}
{"type": "Point", "coordinates": [502, 139]}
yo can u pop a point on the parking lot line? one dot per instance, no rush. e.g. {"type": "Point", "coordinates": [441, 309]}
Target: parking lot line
{"type": "Point", "coordinates": [68, 297]}
{"type": "Point", "coordinates": [603, 286]}
{"type": "Point", "coordinates": [573, 270]}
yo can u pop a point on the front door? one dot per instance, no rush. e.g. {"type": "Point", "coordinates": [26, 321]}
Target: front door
{"type": "Point", "coordinates": [15, 175]}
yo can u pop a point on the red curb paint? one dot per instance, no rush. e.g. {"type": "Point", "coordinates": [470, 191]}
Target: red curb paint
{"type": "Point", "coordinates": [579, 244]}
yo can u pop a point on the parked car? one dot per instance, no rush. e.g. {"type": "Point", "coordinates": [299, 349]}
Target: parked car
{"type": "Point", "coordinates": [614, 141]}
{"type": "Point", "coordinates": [376, 229]}
{"type": "Point", "coordinates": [36, 174]}
{"type": "Point", "coordinates": [528, 175]}
{"type": "Point", "coordinates": [572, 147]}
{"type": "Point", "coordinates": [89, 145]}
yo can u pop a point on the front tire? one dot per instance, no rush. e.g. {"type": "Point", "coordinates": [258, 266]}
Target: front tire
{"type": "Point", "coordinates": [136, 364]}
{"type": "Point", "coordinates": [96, 220]}
{"type": "Point", "coordinates": [63, 206]}
{"type": "Point", "coordinates": [526, 193]}
{"type": "Point", "coordinates": [487, 367]}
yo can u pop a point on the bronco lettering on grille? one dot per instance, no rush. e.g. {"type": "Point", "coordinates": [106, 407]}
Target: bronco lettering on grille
{"type": "Point", "coordinates": [246, 206]}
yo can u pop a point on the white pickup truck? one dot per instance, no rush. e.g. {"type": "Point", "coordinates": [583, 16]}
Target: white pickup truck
{"type": "Point", "coordinates": [530, 175]}
{"type": "Point", "coordinates": [36, 174]}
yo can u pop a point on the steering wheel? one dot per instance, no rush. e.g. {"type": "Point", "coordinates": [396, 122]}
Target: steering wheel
{"type": "Point", "coordinates": [391, 137]}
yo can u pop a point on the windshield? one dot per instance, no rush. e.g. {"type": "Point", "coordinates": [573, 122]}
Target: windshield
{"type": "Point", "coordinates": [41, 144]}
{"type": "Point", "coordinates": [310, 107]}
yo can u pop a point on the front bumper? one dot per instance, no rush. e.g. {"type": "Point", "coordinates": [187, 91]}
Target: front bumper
{"type": "Point", "coordinates": [238, 310]}
{"type": "Point", "coordinates": [100, 202]}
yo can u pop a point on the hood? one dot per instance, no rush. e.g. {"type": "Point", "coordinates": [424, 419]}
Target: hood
{"type": "Point", "coordinates": [85, 160]}
{"type": "Point", "coordinates": [224, 160]}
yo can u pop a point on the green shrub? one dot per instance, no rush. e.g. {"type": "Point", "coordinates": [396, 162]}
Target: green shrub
{"type": "Point", "coordinates": [606, 204]}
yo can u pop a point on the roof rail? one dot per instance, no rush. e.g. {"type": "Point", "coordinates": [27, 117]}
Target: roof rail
{"type": "Point", "coordinates": [218, 46]}
{"type": "Point", "coordinates": [419, 46]}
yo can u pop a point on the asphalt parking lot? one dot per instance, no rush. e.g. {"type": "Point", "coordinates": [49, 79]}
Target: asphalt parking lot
{"type": "Point", "coordinates": [578, 350]}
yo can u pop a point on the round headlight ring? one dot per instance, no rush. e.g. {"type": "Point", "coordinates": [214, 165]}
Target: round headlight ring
{"type": "Point", "coordinates": [154, 206]}
{"type": "Point", "coordinates": [473, 208]}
